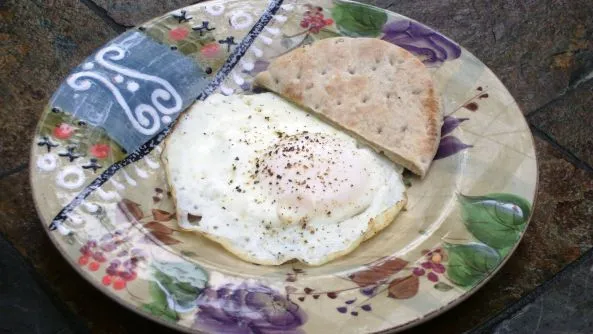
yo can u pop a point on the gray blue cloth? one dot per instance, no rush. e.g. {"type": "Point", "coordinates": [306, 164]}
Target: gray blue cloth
{"type": "Point", "coordinates": [133, 87]}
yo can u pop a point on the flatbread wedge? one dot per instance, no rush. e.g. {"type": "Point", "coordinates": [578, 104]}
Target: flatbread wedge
{"type": "Point", "coordinates": [376, 91]}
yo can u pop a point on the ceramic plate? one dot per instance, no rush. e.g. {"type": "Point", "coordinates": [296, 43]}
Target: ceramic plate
{"type": "Point", "coordinates": [100, 187]}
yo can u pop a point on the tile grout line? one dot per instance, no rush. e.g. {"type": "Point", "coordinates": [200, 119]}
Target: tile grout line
{"type": "Point", "coordinates": [13, 171]}
{"type": "Point", "coordinates": [104, 15]}
{"type": "Point", "coordinates": [571, 157]}
{"type": "Point", "coordinates": [568, 90]}
{"type": "Point", "coordinates": [488, 325]}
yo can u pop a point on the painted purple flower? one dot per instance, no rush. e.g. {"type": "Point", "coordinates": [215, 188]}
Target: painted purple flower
{"type": "Point", "coordinates": [451, 123]}
{"type": "Point", "coordinates": [432, 47]}
{"type": "Point", "coordinates": [247, 309]}
{"type": "Point", "coordinates": [448, 146]}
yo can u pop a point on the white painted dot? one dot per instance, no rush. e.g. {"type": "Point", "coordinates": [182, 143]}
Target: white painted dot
{"type": "Point", "coordinates": [129, 179]}
{"type": "Point", "coordinates": [47, 162]}
{"type": "Point", "coordinates": [71, 177]}
{"type": "Point", "coordinates": [116, 184]}
{"type": "Point", "coordinates": [241, 20]}
{"type": "Point", "coordinates": [226, 90]}
{"type": "Point", "coordinates": [90, 207]}
{"type": "Point", "coordinates": [75, 221]}
{"type": "Point", "coordinates": [166, 119]}
{"type": "Point", "coordinates": [152, 163]}
{"type": "Point", "coordinates": [247, 65]}
{"type": "Point", "coordinates": [118, 78]}
{"type": "Point", "coordinates": [141, 172]}
{"type": "Point", "coordinates": [287, 7]}
{"type": "Point", "coordinates": [272, 30]}
{"type": "Point", "coordinates": [238, 79]}
{"type": "Point", "coordinates": [215, 10]}
{"type": "Point", "coordinates": [280, 18]}
{"type": "Point", "coordinates": [108, 195]}
{"type": "Point", "coordinates": [132, 86]}
{"type": "Point", "coordinates": [267, 40]}
{"type": "Point", "coordinates": [257, 52]}
{"type": "Point", "coordinates": [63, 229]}
{"type": "Point", "coordinates": [88, 66]}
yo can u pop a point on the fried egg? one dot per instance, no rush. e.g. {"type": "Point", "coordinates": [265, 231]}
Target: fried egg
{"type": "Point", "coordinates": [272, 183]}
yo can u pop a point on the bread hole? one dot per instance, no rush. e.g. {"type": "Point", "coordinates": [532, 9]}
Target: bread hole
{"type": "Point", "coordinates": [351, 70]}
{"type": "Point", "coordinates": [380, 130]}
{"type": "Point", "coordinates": [339, 40]}
{"type": "Point", "coordinates": [404, 128]}
{"type": "Point", "coordinates": [309, 85]}
{"type": "Point", "coordinates": [400, 61]}
{"type": "Point", "coordinates": [339, 103]}
{"type": "Point", "coordinates": [316, 107]}
{"type": "Point", "coordinates": [388, 95]}
{"type": "Point", "coordinates": [374, 68]}
{"type": "Point", "coordinates": [416, 91]}
{"type": "Point", "coordinates": [276, 81]}
{"type": "Point", "coordinates": [377, 60]}
{"type": "Point", "coordinates": [324, 71]}
{"type": "Point", "coordinates": [365, 99]}
{"type": "Point", "coordinates": [391, 61]}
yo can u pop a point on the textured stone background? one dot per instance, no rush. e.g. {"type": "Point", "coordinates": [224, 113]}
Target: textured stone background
{"type": "Point", "coordinates": [542, 50]}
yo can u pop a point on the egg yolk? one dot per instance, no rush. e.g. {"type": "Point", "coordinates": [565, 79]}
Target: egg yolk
{"type": "Point", "coordinates": [315, 177]}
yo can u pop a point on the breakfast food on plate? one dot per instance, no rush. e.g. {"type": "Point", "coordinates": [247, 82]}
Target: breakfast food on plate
{"type": "Point", "coordinates": [376, 91]}
{"type": "Point", "coordinates": [272, 183]}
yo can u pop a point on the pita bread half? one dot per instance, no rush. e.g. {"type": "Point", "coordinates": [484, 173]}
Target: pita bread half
{"type": "Point", "coordinates": [378, 92]}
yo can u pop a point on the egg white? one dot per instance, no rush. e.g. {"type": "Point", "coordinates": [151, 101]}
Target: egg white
{"type": "Point", "coordinates": [272, 183]}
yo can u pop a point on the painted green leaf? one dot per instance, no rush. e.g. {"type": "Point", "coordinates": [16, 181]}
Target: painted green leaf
{"type": "Point", "coordinates": [495, 219]}
{"type": "Point", "coordinates": [470, 263]}
{"type": "Point", "coordinates": [159, 306]}
{"type": "Point", "coordinates": [442, 286]}
{"type": "Point", "coordinates": [354, 19]}
{"type": "Point", "coordinates": [181, 282]}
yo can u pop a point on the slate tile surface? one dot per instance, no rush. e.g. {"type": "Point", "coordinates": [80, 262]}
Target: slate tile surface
{"type": "Point", "coordinates": [538, 48]}
{"type": "Point", "coordinates": [542, 50]}
{"type": "Point", "coordinates": [569, 121]}
{"type": "Point", "coordinates": [562, 305]}
{"type": "Point", "coordinates": [40, 42]}
{"type": "Point", "coordinates": [24, 306]}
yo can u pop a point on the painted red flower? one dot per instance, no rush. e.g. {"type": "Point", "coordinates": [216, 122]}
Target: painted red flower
{"type": "Point", "coordinates": [432, 265]}
{"type": "Point", "coordinates": [178, 34]}
{"type": "Point", "coordinates": [63, 131]}
{"type": "Point", "coordinates": [100, 151]}
{"type": "Point", "coordinates": [314, 20]}
{"type": "Point", "coordinates": [210, 50]}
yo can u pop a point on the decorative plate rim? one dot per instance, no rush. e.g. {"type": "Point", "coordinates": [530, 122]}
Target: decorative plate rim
{"type": "Point", "coordinates": [418, 320]}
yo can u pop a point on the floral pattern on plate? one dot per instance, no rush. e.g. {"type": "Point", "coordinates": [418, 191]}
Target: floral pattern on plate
{"type": "Point", "coordinates": [462, 221]}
